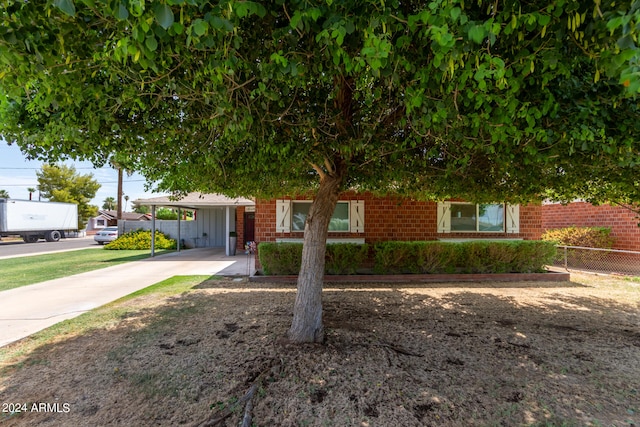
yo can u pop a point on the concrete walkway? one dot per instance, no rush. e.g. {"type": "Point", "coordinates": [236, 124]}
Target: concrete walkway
{"type": "Point", "coordinates": [29, 309]}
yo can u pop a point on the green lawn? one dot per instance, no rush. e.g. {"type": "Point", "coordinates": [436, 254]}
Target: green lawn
{"type": "Point", "coordinates": [105, 316]}
{"type": "Point", "coordinates": [22, 271]}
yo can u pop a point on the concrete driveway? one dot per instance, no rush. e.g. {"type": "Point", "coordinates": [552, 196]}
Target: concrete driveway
{"type": "Point", "coordinates": [29, 309]}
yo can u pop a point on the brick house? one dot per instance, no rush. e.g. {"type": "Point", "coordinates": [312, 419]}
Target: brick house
{"type": "Point", "coordinates": [622, 221]}
{"type": "Point", "coordinates": [363, 218]}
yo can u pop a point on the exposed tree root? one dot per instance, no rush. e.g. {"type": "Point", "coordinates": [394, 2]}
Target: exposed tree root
{"type": "Point", "coordinates": [246, 419]}
{"type": "Point", "coordinates": [247, 400]}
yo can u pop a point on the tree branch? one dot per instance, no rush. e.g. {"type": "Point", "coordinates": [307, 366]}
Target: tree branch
{"type": "Point", "coordinates": [319, 170]}
{"type": "Point", "coordinates": [330, 167]}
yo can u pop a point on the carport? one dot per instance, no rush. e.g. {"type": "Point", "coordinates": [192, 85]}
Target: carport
{"type": "Point", "coordinates": [215, 218]}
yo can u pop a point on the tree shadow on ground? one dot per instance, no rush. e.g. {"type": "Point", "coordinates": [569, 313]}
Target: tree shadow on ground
{"type": "Point", "coordinates": [429, 355]}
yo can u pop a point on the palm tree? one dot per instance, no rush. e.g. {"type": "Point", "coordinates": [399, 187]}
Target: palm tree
{"type": "Point", "coordinates": [126, 200]}
{"type": "Point", "coordinates": [4, 194]}
{"type": "Point", "coordinates": [31, 190]}
{"type": "Point", "coordinates": [108, 203]}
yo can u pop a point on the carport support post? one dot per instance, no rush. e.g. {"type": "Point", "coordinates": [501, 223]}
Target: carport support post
{"type": "Point", "coordinates": [179, 228]}
{"type": "Point", "coordinates": [153, 230]}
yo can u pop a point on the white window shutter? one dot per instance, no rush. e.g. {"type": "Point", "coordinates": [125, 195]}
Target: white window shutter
{"type": "Point", "coordinates": [444, 217]}
{"type": "Point", "coordinates": [283, 216]}
{"type": "Point", "coordinates": [513, 218]}
{"type": "Point", "coordinates": [356, 216]}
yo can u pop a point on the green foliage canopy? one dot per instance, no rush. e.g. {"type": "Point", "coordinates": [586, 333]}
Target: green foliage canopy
{"type": "Point", "coordinates": [485, 100]}
{"type": "Point", "coordinates": [141, 209]}
{"type": "Point", "coordinates": [166, 213]}
{"type": "Point", "coordinates": [61, 183]}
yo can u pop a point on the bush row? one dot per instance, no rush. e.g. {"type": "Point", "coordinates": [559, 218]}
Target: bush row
{"type": "Point", "coordinates": [430, 257]}
{"type": "Point", "coordinates": [590, 237]}
{"type": "Point", "coordinates": [141, 239]}
{"type": "Point", "coordinates": [464, 257]}
{"type": "Point", "coordinates": [285, 258]}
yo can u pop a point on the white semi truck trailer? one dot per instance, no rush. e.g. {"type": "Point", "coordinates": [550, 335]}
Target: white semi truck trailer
{"type": "Point", "coordinates": [33, 220]}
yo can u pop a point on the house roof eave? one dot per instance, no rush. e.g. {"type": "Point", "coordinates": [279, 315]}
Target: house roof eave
{"type": "Point", "coordinates": [196, 201]}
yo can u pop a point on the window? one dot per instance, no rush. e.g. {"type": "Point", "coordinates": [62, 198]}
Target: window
{"type": "Point", "coordinates": [339, 220]}
{"type": "Point", "coordinates": [348, 216]}
{"type": "Point", "coordinates": [101, 222]}
{"type": "Point", "coordinates": [466, 217]}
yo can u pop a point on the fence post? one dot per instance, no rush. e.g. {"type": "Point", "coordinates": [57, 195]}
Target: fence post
{"type": "Point", "coordinates": [565, 259]}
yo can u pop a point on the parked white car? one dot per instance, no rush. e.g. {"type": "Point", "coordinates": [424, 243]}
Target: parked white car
{"type": "Point", "coordinates": [106, 235]}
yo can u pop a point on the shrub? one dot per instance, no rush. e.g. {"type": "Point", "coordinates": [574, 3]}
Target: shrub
{"type": "Point", "coordinates": [395, 257]}
{"type": "Point", "coordinates": [590, 237]}
{"type": "Point", "coordinates": [531, 255]}
{"type": "Point", "coordinates": [285, 258]}
{"type": "Point", "coordinates": [141, 239]}
{"type": "Point", "coordinates": [466, 257]}
{"type": "Point", "coordinates": [345, 258]}
{"type": "Point", "coordinates": [280, 259]}
{"type": "Point", "coordinates": [437, 257]}
{"type": "Point", "coordinates": [416, 257]}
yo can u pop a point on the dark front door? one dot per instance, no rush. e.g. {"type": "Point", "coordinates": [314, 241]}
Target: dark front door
{"type": "Point", "coordinates": [249, 226]}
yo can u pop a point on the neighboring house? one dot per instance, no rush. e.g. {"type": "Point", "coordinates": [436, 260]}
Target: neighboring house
{"type": "Point", "coordinates": [622, 221]}
{"type": "Point", "coordinates": [363, 218]}
{"type": "Point", "coordinates": [108, 218]}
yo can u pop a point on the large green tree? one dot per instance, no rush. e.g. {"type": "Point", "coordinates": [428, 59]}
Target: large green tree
{"type": "Point", "coordinates": [487, 100]}
{"type": "Point", "coordinates": [61, 183]}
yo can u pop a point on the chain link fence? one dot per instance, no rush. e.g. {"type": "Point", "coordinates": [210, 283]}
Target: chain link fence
{"type": "Point", "coordinates": [609, 261]}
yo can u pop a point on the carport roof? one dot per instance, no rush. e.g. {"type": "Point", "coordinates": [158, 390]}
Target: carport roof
{"type": "Point", "coordinates": [195, 201]}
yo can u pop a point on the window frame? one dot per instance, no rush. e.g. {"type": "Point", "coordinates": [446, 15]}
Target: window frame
{"type": "Point", "coordinates": [477, 217]}
{"type": "Point", "coordinates": [511, 218]}
{"type": "Point", "coordinates": [355, 216]}
{"type": "Point", "coordinates": [308, 202]}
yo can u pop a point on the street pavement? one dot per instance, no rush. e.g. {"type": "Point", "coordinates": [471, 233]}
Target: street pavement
{"type": "Point", "coordinates": [12, 248]}
{"type": "Point", "coordinates": [29, 309]}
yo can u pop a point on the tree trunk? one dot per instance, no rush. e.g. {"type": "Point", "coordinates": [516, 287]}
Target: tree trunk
{"type": "Point", "coordinates": [307, 310]}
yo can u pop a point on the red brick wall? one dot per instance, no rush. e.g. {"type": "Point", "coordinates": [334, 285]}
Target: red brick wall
{"type": "Point", "coordinates": [394, 218]}
{"type": "Point", "coordinates": [623, 222]}
{"type": "Point", "coordinates": [240, 228]}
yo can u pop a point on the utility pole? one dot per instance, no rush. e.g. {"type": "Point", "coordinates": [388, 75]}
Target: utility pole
{"type": "Point", "coordinates": [119, 215]}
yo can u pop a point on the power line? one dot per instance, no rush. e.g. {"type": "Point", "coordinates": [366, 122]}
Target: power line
{"type": "Point", "coordinates": [101, 182]}
{"type": "Point", "coordinates": [102, 168]}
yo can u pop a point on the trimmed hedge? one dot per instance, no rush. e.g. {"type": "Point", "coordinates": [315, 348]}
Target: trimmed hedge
{"type": "Point", "coordinates": [345, 258]}
{"type": "Point", "coordinates": [280, 259]}
{"type": "Point", "coordinates": [432, 257]}
{"type": "Point", "coordinates": [284, 259]}
{"type": "Point", "coordinates": [435, 257]}
{"type": "Point", "coordinates": [141, 239]}
{"type": "Point", "coordinates": [589, 237]}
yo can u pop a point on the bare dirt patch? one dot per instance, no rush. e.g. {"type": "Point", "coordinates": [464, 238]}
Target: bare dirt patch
{"type": "Point", "coordinates": [561, 353]}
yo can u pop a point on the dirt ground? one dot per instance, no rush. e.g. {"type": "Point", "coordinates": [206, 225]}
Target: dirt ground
{"type": "Point", "coordinates": [473, 354]}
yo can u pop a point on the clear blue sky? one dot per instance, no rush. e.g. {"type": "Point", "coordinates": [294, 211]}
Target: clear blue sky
{"type": "Point", "coordinates": [17, 174]}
